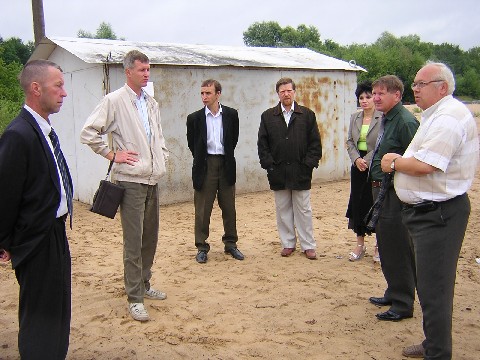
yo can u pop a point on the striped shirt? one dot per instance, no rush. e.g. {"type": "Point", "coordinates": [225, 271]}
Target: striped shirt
{"type": "Point", "coordinates": [447, 139]}
{"type": "Point", "coordinates": [141, 104]}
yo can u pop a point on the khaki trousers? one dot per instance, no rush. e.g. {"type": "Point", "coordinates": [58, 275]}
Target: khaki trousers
{"type": "Point", "coordinates": [293, 210]}
{"type": "Point", "coordinates": [139, 212]}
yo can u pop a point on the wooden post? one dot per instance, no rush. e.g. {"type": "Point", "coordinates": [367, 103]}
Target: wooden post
{"type": "Point", "coordinates": [38, 20]}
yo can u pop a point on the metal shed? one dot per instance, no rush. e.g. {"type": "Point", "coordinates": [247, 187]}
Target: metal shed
{"type": "Point", "coordinates": [248, 75]}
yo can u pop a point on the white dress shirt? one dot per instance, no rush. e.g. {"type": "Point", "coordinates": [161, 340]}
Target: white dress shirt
{"type": "Point", "coordinates": [46, 128]}
{"type": "Point", "coordinates": [214, 132]}
{"type": "Point", "coordinates": [287, 114]}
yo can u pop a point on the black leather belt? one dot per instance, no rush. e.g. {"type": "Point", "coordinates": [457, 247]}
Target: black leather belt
{"type": "Point", "coordinates": [376, 184]}
{"type": "Point", "coordinates": [427, 206]}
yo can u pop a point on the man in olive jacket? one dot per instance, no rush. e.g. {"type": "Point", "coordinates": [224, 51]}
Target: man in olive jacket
{"type": "Point", "coordinates": [289, 147]}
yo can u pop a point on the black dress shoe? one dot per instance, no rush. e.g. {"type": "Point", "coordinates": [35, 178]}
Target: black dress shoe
{"type": "Point", "coordinates": [201, 257]}
{"type": "Point", "coordinates": [236, 254]}
{"type": "Point", "coordinates": [380, 301]}
{"type": "Point", "coordinates": [389, 315]}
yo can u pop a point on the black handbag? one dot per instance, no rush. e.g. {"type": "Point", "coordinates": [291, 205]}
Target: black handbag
{"type": "Point", "coordinates": [108, 196]}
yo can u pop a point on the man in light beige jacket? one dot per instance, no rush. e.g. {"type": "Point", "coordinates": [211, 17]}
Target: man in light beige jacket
{"type": "Point", "coordinates": [132, 118]}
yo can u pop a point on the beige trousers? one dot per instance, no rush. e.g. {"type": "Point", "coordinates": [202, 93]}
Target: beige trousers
{"type": "Point", "coordinates": [294, 212]}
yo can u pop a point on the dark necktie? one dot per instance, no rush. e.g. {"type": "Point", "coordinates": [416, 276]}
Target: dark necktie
{"type": "Point", "coordinates": [65, 174]}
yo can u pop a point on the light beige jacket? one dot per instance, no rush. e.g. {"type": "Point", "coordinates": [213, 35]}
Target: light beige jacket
{"type": "Point", "coordinates": [118, 116]}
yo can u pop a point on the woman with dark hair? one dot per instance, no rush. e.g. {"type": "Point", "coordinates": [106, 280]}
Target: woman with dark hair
{"type": "Point", "coordinates": [362, 135]}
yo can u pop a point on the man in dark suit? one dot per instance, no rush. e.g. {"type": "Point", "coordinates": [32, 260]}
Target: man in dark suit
{"type": "Point", "coordinates": [35, 198]}
{"type": "Point", "coordinates": [212, 135]}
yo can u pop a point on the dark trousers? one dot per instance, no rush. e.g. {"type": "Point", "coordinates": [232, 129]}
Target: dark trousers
{"type": "Point", "coordinates": [437, 237]}
{"type": "Point", "coordinates": [215, 185]}
{"type": "Point", "coordinates": [45, 299]}
{"type": "Point", "coordinates": [396, 252]}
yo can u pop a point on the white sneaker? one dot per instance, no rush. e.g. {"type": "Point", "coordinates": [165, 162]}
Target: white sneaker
{"type": "Point", "coordinates": [155, 294]}
{"type": "Point", "coordinates": [138, 311]}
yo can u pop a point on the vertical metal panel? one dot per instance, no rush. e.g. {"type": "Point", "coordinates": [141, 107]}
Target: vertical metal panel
{"type": "Point", "coordinates": [84, 87]}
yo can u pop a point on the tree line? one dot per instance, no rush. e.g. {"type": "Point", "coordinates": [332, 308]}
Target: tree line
{"type": "Point", "coordinates": [401, 56]}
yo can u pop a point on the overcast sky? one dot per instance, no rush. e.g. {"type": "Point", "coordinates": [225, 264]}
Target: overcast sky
{"type": "Point", "coordinates": [222, 22]}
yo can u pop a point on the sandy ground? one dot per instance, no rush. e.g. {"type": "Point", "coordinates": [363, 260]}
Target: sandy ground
{"type": "Point", "coordinates": [264, 307]}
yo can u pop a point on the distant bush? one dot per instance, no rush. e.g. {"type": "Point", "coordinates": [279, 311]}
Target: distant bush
{"type": "Point", "coordinates": [13, 55]}
{"type": "Point", "coordinates": [11, 94]}
{"type": "Point", "coordinates": [8, 111]}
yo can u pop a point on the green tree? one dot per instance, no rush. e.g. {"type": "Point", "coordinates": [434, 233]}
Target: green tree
{"type": "Point", "coordinates": [13, 55]}
{"type": "Point", "coordinates": [263, 34]}
{"type": "Point", "coordinates": [331, 48]}
{"type": "Point", "coordinates": [104, 31]}
{"type": "Point", "coordinates": [302, 36]}
{"type": "Point", "coordinates": [468, 84]}
{"type": "Point", "coordinates": [452, 55]}
{"type": "Point", "coordinates": [14, 50]}
{"type": "Point", "coordinates": [271, 34]}
{"type": "Point", "coordinates": [11, 95]}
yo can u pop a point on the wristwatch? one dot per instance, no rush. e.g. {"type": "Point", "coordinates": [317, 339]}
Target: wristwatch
{"type": "Point", "coordinates": [392, 165]}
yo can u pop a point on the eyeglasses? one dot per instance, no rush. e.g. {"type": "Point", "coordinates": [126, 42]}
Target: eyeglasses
{"type": "Point", "coordinates": [422, 84]}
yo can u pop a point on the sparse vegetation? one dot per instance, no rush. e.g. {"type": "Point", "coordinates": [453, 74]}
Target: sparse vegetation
{"type": "Point", "coordinates": [104, 31]}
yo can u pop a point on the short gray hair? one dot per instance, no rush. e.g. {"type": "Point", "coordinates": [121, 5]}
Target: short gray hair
{"type": "Point", "coordinates": [445, 73]}
{"type": "Point", "coordinates": [131, 56]}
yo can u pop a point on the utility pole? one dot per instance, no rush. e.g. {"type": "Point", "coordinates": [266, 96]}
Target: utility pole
{"type": "Point", "coordinates": [38, 20]}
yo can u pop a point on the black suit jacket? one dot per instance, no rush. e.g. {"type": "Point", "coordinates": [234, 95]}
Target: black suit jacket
{"type": "Point", "coordinates": [29, 188]}
{"type": "Point", "coordinates": [197, 143]}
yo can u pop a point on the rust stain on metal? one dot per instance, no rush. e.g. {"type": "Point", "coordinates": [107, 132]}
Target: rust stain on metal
{"type": "Point", "coordinates": [320, 95]}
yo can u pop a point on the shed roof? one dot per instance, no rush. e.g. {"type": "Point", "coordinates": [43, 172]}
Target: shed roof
{"type": "Point", "coordinates": [96, 51]}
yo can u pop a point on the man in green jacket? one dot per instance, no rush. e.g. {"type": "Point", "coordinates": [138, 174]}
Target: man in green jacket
{"type": "Point", "coordinates": [396, 131]}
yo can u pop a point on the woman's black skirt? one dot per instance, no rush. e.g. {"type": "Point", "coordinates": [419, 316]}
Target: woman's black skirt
{"type": "Point", "coordinates": [361, 199]}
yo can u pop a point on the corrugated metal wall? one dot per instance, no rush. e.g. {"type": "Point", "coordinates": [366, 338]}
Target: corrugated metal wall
{"type": "Point", "coordinates": [251, 91]}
